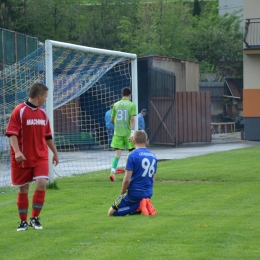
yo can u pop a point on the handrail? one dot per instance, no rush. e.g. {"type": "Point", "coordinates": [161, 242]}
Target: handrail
{"type": "Point", "coordinates": [252, 33]}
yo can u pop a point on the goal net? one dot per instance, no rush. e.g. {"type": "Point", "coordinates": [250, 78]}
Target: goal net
{"type": "Point", "coordinates": [83, 83]}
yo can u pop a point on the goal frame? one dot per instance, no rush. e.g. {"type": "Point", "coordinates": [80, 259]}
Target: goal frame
{"type": "Point", "coordinates": [49, 44]}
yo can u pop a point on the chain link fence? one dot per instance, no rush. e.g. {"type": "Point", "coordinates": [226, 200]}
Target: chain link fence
{"type": "Point", "coordinates": [14, 47]}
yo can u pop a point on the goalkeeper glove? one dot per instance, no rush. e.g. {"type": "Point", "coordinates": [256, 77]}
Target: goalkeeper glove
{"type": "Point", "coordinates": [131, 135]}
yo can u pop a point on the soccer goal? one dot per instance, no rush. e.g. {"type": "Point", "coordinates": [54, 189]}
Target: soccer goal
{"type": "Point", "coordinates": [83, 83]}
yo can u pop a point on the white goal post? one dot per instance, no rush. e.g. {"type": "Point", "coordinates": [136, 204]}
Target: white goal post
{"type": "Point", "coordinates": [83, 84]}
{"type": "Point", "coordinates": [49, 45]}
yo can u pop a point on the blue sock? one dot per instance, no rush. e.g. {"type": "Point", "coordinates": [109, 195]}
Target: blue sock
{"type": "Point", "coordinates": [126, 210]}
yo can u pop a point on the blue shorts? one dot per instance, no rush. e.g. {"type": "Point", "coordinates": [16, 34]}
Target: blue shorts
{"type": "Point", "coordinates": [125, 200]}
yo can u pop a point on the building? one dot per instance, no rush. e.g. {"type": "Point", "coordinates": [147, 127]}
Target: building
{"type": "Point", "coordinates": [251, 50]}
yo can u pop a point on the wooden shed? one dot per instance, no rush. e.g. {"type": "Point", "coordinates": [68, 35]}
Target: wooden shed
{"type": "Point", "coordinates": [177, 111]}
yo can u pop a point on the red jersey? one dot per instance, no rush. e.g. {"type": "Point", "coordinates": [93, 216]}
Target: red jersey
{"type": "Point", "coordinates": [31, 126]}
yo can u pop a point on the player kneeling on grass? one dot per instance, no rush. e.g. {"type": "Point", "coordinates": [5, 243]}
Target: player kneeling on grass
{"type": "Point", "coordinates": [137, 186]}
{"type": "Point", "coordinates": [30, 136]}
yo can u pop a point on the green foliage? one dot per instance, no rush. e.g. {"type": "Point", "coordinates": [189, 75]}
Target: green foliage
{"type": "Point", "coordinates": [8, 13]}
{"type": "Point", "coordinates": [99, 23]}
{"type": "Point", "coordinates": [159, 30]}
{"type": "Point", "coordinates": [54, 19]}
{"type": "Point", "coordinates": [212, 37]}
{"type": "Point", "coordinates": [168, 28]}
{"type": "Point", "coordinates": [208, 208]}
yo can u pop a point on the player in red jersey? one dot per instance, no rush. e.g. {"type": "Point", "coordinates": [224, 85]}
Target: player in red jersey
{"type": "Point", "coordinates": [30, 136]}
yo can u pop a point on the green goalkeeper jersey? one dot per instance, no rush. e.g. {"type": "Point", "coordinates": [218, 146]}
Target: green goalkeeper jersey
{"type": "Point", "coordinates": [122, 112]}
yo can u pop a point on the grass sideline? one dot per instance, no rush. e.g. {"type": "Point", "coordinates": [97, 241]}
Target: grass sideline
{"type": "Point", "coordinates": [208, 208]}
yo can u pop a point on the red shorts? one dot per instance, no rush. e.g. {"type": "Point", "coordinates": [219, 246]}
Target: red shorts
{"type": "Point", "coordinates": [22, 176]}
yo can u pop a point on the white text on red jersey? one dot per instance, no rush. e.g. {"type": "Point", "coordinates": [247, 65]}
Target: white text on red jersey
{"type": "Point", "coordinates": [35, 122]}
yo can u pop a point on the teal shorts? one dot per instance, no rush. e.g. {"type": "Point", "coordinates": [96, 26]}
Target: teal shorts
{"type": "Point", "coordinates": [121, 142]}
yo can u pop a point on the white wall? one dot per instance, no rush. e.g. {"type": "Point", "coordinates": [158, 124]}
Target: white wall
{"type": "Point", "coordinates": [251, 71]}
{"type": "Point", "coordinates": [252, 9]}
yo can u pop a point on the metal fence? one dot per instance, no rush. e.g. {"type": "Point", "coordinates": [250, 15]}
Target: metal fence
{"type": "Point", "coordinates": [252, 33]}
{"type": "Point", "coordinates": [163, 83]}
{"type": "Point", "coordinates": [15, 46]}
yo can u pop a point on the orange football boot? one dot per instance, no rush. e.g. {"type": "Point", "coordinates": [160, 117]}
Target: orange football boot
{"type": "Point", "coordinates": [112, 177]}
{"type": "Point", "coordinates": [143, 207]}
{"type": "Point", "coordinates": [150, 207]}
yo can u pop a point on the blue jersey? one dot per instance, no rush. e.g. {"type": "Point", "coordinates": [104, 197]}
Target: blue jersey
{"type": "Point", "coordinates": [143, 164]}
{"type": "Point", "coordinates": [141, 123]}
{"type": "Point", "coordinates": [107, 118]}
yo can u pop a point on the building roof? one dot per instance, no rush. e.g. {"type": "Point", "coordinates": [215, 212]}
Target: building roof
{"type": "Point", "coordinates": [166, 58]}
{"type": "Point", "coordinates": [235, 87]}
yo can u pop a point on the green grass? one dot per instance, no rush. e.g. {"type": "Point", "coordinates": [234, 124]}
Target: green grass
{"type": "Point", "coordinates": [208, 208]}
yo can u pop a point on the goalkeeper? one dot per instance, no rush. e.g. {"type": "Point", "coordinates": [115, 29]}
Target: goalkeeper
{"type": "Point", "coordinates": [123, 117]}
{"type": "Point", "coordinates": [137, 186]}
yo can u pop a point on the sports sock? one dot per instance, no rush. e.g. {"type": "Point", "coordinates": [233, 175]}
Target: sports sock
{"type": "Point", "coordinates": [38, 201]}
{"type": "Point", "coordinates": [114, 164]}
{"type": "Point", "coordinates": [22, 204]}
{"type": "Point", "coordinates": [126, 210]}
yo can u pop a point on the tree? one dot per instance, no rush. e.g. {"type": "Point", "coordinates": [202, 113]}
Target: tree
{"type": "Point", "coordinates": [216, 42]}
{"type": "Point", "coordinates": [100, 22]}
{"type": "Point", "coordinates": [158, 27]}
{"type": "Point", "coordinates": [53, 19]}
{"type": "Point", "coordinates": [10, 9]}
{"type": "Point", "coordinates": [169, 29]}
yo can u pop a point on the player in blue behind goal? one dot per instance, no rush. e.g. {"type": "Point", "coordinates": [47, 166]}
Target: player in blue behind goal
{"type": "Point", "coordinates": [137, 186]}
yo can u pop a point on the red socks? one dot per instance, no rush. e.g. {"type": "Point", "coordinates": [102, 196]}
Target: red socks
{"type": "Point", "coordinates": [38, 201]}
{"type": "Point", "coordinates": [22, 204]}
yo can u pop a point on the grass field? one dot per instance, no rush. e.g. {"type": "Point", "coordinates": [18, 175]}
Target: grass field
{"type": "Point", "coordinates": [208, 208]}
